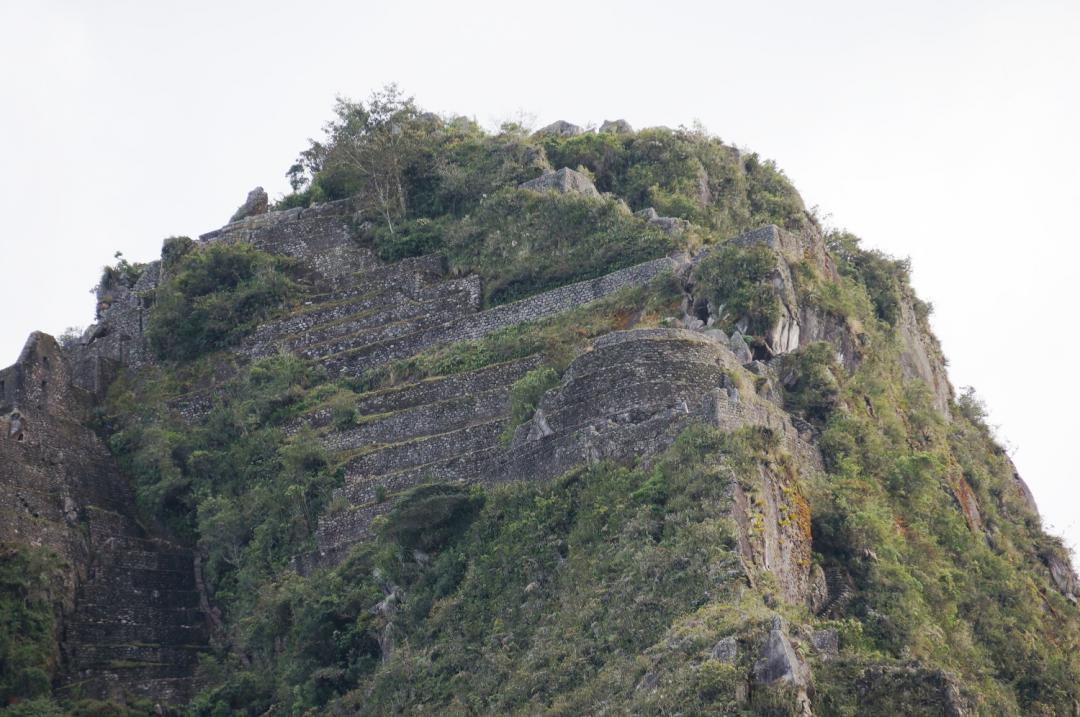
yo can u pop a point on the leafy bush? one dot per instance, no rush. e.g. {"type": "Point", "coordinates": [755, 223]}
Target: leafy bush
{"type": "Point", "coordinates": [247, 494]}
{"type": "Point", "coordinates": [606, 156]}
{"type": "Point", "coordinates": [427, 516]}
{"type": "Point", "coordinates": [734, 279]}
{"type": "Point", "coordinates": [216, 295]}
{"type": "Point", "coordinates": [415, 237]}
{"type": "Point", "coordinates": [469, 166]}
{"type": "Point", "coordinates": [772, 198]}
{"type": "Point", "coordinates": [883, 278]}
{"type": "Point", "coordinates": [28, 592]}
{"type": "Point", "coordinates": [524, 242]}
{"type": "Point", "coordinates": [809, 378]}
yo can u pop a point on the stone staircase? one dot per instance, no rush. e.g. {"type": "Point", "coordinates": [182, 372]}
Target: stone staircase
{"type": "Point", "coordinates": [137, 628]}
{"type": "Point", "coordinates": [841, 591]}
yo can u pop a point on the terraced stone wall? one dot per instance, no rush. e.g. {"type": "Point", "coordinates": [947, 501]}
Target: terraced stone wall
{"type": "Point", "coordinates": [625, 399]}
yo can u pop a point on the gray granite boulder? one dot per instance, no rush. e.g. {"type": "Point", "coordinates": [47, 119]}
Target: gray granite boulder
{"type": "Point", "coordinates": [665, 224]}
{"type": "Point", "coordinates": [778, 661]}
{"type": "Point", "coordinates": [726, 650]}
{"type": "Point", "coordinates": [619, 126]}
{"type": "Point", "coordinates": [563, 181]}
{"type": "Point", "coordinates": [825, 642]}
{"type": "Point", "coordinates": [560, 128]}
{"type": "Point", "coordinates": [256, 203]}
{"type": "Point", "coordinates": [740, 348]}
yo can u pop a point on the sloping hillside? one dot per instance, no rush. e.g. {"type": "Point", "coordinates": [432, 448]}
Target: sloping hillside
{"type": "Point", "coordinates": [565, 422]}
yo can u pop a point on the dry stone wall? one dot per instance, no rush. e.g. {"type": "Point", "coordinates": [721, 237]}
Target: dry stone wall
{"type": "Point", "coordinates": [625, 399]}
{"type": "Point", "coordinates": [478, 325]}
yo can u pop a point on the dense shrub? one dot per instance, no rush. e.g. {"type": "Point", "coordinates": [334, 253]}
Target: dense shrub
{"type": "Point", "coordinates": [234, 483]}
{"type": "Point", "coordinates": [214, 296]}
{"type": "Point", "coordinates": [605, 156]}
{"type": "Point", "coordinates": [809, 378]}
{"type": "Point", "coordinates": [733, 279]}
{"type": "Point", "coordinates": [29, 583]}
{"type": "Point", "coordinates": [428, 516]}
{"type": "Point", "coordinates": [772, 198]}
{"type": "Point", "coordinates": [523, 242]}
{"type": "Point", "coordinates": [883, 278]}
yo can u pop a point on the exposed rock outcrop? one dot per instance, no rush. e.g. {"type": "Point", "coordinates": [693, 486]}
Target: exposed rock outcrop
{"type": "Point", "coordinates": [665, 224]}
{"type": "Point", "coordinates": [560, 128]}
{"type": "Point", "coordinates": [563, 181]}
{"type": "Point", "coordinates": [129, 608]}
{"type": "Point", "coordinates": [801, 322]}
{"type": "Point", "coordinates": [619, 126]}
{"type": "Point", "coordinates": [257, 202]}
{"type": "Point", "coordinates": [780, 665]}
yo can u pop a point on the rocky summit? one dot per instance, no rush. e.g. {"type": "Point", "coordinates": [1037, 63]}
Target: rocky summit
{"type": "Point", "coordinates": [562, 422]}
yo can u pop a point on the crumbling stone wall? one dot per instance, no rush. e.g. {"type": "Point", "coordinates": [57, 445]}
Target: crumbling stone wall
{"type": "Point", "coordinates": [118, 337]}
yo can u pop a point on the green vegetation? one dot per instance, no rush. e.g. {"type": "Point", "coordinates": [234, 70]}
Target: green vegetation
{"type": "Point", "coordinates": [524, 599]}
{"type": "Point", "coordinates": [235, 483]}
{"type": "Point", "coordinates": [423, 184]}
{"type": "Point", "coordinates": [884, 278]}
{"type": "Point", "coordinates": [811, 387]}
{"type": "Point", "coordinates": [213, 295]}
{"type": "Point", "coordinates": [29, 580]}
{"type": "Point", "coordinates": [733, 279]}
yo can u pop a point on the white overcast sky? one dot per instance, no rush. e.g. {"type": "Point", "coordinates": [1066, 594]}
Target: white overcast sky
{"type": "Point", "coordinates": [944, 131]}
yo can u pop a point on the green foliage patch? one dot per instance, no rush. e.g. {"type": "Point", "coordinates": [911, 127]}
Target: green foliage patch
{"type": "Point", "coordinates": [217, 294]}
{"type": "Point", "coordinates": [526, 598]}
{"type": "Point", "coordinates": [525, 394]}
{"type": "Point", "coordinates": [29, 589]}
{"type": "Point", "coordinates": [235, 483]}
{"type": "Point", "coordinates": [733, 279]}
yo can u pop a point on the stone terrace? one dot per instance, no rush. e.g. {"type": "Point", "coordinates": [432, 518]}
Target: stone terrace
{"type": "Point", "coordinates": [625, 398]}
{"type": "Point", "coordinates": [630, 402]}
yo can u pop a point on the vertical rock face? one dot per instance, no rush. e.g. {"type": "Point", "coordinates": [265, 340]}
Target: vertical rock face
{"type": "Point", "coordinates": [801, 323]}
{"type": "Point", "coordinates": [128, 598]}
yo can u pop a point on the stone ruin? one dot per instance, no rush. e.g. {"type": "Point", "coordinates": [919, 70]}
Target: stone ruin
{"type": "Point", "coordinates": [136, 618]}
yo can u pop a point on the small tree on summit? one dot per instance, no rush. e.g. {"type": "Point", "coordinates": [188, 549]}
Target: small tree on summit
{"type": "Point", "coordinates": [367, 151]}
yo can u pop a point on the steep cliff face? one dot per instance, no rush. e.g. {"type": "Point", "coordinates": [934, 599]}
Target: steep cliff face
{"type": "Point", "coordinates": [699, 467]}
{"type": "Point", "coordinates": [129, 617]}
